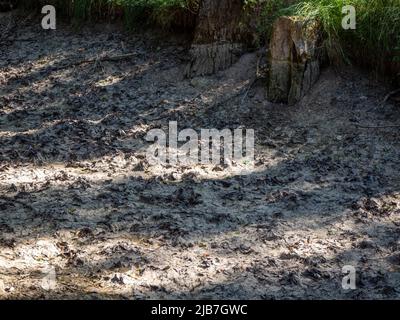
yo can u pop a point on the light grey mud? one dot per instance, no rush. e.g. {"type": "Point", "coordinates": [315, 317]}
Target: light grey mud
{"type": "Point", "coordinates": [77, 195]}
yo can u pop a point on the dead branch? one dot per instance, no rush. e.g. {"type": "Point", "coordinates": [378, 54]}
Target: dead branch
{"type": "Point", "coordinates": [389, 95]}
{"type": "Point", "coordinates": [96, 60]}
{"type": "Point", "coordinates": [377, 127]}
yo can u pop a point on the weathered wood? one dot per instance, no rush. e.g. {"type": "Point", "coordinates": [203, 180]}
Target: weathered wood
{"type": "Point", "coordinates": [294, 57]}
{"type": "Point", "coordinates": [217, 40]}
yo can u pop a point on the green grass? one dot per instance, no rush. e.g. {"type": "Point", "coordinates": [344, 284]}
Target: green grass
{"type": "Point", "coordinates": [377, 30]}
{"type": "Point", "coordinates": [160, 12]}
{"type": "Point", "coordinates": [377, 34]}
{"type": "Point", "coordinates": [134, 12]}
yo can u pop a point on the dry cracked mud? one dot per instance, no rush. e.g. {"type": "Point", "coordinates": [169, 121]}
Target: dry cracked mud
{"type": "Point", "coordinates": [77, 195]}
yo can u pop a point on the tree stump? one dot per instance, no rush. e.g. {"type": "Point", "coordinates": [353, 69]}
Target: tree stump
{"type": "Point", "coordinates": [217, 43]}
{"type": "Point", "coordinates": [294, 58]}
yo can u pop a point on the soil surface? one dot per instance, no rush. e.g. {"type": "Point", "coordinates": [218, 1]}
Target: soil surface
{"type": "Point", "coordinates": [80, 204]}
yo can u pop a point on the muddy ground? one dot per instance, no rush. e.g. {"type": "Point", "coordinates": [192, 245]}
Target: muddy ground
{"type": "Point", "coordinates": [78, 197]}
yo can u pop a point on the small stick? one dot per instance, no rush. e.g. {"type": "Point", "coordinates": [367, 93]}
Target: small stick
{"type": "Point", "coordinates": [376, 127]}
{"type": "Point", "coordinates": [389, 95]}
{"type": "Point", "coordinates": [94, 60]}
{"type": "Point", "coordinates": [248, 89]}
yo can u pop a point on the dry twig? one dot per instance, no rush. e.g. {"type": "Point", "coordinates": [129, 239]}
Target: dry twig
{"type": "Point", "coordinates": [389, 95]}
{"type": "Point", "coordinates": [377, 127]}
{"type": "Point", "coordinates": [97, 60]}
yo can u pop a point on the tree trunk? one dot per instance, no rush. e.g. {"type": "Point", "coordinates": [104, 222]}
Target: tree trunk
{"type": "Point", "coordinates": [294, 57]}
{"type": "Point", "coordinates": [217, 40]}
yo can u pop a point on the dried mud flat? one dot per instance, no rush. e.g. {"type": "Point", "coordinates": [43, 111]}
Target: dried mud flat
{"type": "Point", "coordinates": [77, 195]}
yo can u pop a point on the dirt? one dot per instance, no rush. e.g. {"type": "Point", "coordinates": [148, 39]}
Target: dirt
{"type": "Point", "coordinates": [78, 197]}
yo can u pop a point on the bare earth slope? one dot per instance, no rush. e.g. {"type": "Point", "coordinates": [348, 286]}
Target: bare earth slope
{"type": "Point", "coordinates": [77, 195]}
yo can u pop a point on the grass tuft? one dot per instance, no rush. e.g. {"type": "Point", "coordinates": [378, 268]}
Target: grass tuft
{"type": "Point", "coordinates": [135, 12]}
{"type": "Point", "coordinates": [375, 41]}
